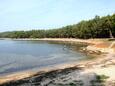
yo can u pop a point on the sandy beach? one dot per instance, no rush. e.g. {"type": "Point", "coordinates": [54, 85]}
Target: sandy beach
{"type": "Point", "coordinates": [85, 71]}
{"type": "Point", "coordinates": [90, 41]}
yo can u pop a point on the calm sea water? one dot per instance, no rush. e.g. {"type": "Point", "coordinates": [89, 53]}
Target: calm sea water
{"type": "Point", "coordinates": [27, 55]}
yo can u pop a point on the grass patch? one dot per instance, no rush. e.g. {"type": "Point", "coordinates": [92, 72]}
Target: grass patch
{"type": "Point", "coordinates": [99, 80]}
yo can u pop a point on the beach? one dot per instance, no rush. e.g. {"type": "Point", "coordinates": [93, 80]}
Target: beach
{"type": "Point", "coordinates": [65, 74]}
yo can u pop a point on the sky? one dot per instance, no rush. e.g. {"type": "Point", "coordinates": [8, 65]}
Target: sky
{"type": "Point", "coordinates": [49, 14]}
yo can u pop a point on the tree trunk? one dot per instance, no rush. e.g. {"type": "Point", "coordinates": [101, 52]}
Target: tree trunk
{"type": "Point", "coordinates": [110, 33]}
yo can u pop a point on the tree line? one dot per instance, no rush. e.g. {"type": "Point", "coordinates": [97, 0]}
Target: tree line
{"type": "Point", "coordinates": [98, 27]}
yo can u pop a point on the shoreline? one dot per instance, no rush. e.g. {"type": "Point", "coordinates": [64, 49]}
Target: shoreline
{"type": "Point", "coordinates": [71, 40]}
{"type": "Point", "coordinates": [104, 66]}
{"type": "Point", "coordinates": [88, 66]}
{"type": "Point", "coordinates": [94, 45]}
{"type": "Point", "coordinates": [89, 41]}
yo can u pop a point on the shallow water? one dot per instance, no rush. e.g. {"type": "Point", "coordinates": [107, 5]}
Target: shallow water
{"type": "Point", "coordinates": [18, 56]}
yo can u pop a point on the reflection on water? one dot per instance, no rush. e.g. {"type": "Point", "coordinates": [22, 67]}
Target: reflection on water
{"type": "Point", "coordinates": [25, 55]}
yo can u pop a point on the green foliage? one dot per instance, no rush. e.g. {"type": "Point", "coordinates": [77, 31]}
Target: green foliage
{"type": "Point", "coordinates": [102, 77]}
{"type": "Point", "coordinates": [103, 27]}
{"type": "Point", "coordinates": [99, 80]}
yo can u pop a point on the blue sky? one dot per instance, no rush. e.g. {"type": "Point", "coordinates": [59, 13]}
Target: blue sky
{"type": "Point", "coordinates": [46, 14]}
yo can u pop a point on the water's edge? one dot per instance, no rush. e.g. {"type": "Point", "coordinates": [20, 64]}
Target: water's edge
{"type": "Point", "coordinates": [24, 74]}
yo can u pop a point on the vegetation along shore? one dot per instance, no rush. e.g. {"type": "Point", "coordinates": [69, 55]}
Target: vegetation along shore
{"type": "Point", "coordinates": [98, 27]}
{"type": "Point", "coordinates": [98, 33]}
